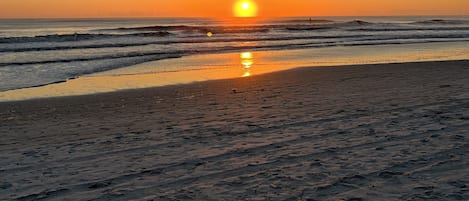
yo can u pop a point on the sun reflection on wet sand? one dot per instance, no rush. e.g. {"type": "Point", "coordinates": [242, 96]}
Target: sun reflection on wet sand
{"type": "Point", "coordinates": [247, 60]}
{"type": "Point", "coordinates": [247, 74]}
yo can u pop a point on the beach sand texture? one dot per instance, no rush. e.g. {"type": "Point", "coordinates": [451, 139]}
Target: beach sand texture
{"type": "Point", "coordinates": [365, 132]}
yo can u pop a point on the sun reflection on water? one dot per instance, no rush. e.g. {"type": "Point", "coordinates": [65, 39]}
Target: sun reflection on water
{"type": "Point", "coordinates": [247, 74]}
{"type": "Point", "coordinates": [247, 60]}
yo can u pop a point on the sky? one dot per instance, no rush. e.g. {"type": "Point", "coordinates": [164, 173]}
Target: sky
{"type": "Point", "coordinates": [223, 8]}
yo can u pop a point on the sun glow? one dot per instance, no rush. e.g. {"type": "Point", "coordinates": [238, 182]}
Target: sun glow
{"type": "Point", "coordinates": [245, 8]}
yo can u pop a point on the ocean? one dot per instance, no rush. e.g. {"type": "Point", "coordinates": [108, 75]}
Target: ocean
{"type": "Point", "coordinates": [38, 52]}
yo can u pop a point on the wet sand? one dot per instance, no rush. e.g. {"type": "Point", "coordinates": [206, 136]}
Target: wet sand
{"type": "Point", "coordinates": [365, 132]}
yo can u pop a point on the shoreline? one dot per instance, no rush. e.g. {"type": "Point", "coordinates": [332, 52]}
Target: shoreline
{"type": "Point", "coordinates": [176, 85]}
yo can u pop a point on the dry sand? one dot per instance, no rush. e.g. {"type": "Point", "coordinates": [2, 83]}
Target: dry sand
{"type": "Point", "coordinates": [374, 132]}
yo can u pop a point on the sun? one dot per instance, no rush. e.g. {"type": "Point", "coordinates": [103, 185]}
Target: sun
{"type": "Point", "coordinates": [245, 8]}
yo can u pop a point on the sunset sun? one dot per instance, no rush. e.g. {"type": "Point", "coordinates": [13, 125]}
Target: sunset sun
{"type": "Point", "coordinates": [245, 8]}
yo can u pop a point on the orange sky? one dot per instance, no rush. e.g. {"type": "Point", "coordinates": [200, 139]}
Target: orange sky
{"type": "Point", "coordinates": [222, 8]}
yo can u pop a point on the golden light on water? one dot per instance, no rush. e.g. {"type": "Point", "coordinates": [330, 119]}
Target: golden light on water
{"type": "Point", "coordinates": [209, 34]}
{"type": "Point", "coordinates": [247, 60]}
{"type": "Point", "coordinates": [246, 55]}
{"type": "Point", "coordinates": [245, 8]}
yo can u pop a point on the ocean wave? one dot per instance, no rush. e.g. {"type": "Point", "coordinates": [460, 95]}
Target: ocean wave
{"type": "Point", "coordinates": [354, 23]}
{"type": "Point", "coordinates": [46, 74]}
{"type": "Point", "coordinates": [411, 29]}
{"type": "Point", "coordinates": [154, 28]}
{"type": "Point", "coordinates": [413, 37]}
{"type": "Point", "coordinates": [309, 28]}
{"type": "Point", "coordinates": [245, 28]}
{"type": "Point", "coordinates": [442, 22]}
{"type": "Point", "coordinates": [156, 31]}
{"type": "Point", "coordinates": [175, 41]}
{"type": "Point", "coordinates": [163, 55]}
{"type": "Point", "coordinates": [305, 21]}
{"type": "Point", "coordinates": [200, 31]}
{"type": "Point", "coordinates": [222, 40]}
{"type": "Point", "coordinates": [326, 26]}
{"type": "Point", "coordinates": [197, 29]}
{"type": "Point", "coordinates": [298, 25]}
{"type": "Point", "coordinates": [78, 37]}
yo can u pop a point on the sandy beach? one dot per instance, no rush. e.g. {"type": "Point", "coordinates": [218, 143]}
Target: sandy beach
{"type": "Point", "coordinates": [364, 132]}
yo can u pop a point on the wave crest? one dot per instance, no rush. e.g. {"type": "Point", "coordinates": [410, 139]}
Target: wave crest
{"type": "Point", "coordinates": [442, 22]}
{"type": "Point", "coordinates": [78, 37]}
